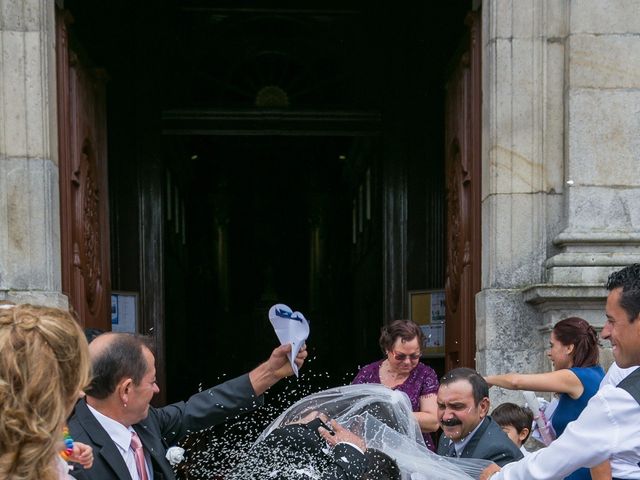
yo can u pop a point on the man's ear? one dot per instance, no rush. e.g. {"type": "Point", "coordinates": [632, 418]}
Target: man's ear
{"type": "Point", "coordinates": [124, 390]}
{"type": "Point", "coordinates": [483, 407]}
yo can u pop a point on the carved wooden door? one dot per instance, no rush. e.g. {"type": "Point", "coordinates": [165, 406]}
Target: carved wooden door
{"type": "Point", "coordinates": [83, 184]}
{"type": "Point", "coordinates": [463, 183]}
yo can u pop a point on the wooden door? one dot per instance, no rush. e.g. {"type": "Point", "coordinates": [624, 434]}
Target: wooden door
{"type": "Point", "coordinates": [83, 183]}
{"type": "Point", "coordinates": [463, 184]}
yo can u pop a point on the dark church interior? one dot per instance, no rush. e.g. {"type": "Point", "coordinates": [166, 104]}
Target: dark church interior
{"type": "Point", "coordinates": [272, 152]}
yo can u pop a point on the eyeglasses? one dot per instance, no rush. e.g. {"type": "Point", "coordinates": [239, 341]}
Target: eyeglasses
{"type": "Point", "coordinates": [401, 357]}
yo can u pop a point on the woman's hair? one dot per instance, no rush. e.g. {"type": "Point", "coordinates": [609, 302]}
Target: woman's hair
{"type": "Point", "coordinates": [577, 332]}
{"type": "Point", "coordinates": [403, 329]}
{"type": "Point", "coordinates": [44, 363]}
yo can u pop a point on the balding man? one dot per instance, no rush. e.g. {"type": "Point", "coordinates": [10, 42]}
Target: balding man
{"type": "Point", "coordinates": [129, 437]}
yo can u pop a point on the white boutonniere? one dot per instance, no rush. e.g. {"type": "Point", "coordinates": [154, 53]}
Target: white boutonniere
{"type": "Point", "coordinates": [175, 455]}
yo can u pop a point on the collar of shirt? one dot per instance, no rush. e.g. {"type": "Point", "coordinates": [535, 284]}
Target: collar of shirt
{"type": "Point", "coordinates": [120, 434]}
{"type": "Point", "coordinates": [459, 446]}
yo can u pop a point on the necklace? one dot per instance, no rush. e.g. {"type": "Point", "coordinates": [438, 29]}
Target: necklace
{"type": "Point", "coordinates": [388, 372]}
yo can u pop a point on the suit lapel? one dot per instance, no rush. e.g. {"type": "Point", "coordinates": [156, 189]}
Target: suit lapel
{"type": "Point", "coordinates": [470, 447]}
{"type": "Point", "coordinates": [105, 447]}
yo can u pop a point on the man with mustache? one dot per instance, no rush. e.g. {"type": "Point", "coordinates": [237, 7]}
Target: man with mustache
{"type": "Point", "coordinates": [463, 405]}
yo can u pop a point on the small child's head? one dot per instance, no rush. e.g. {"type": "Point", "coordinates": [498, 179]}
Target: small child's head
{"type": "Point", "coordinates": [514, 420]}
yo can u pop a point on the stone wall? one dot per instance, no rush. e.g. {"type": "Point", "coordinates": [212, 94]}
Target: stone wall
{"type": "Point", "coordinates": [29, 195]}
{"type": "Point", "coordinates": [561, 169]}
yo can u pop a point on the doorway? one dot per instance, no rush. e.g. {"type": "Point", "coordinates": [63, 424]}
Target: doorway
{"type": "Point", "coordinates": [208, 103]}
{"type": "Point", "coordinates": [252, 221]}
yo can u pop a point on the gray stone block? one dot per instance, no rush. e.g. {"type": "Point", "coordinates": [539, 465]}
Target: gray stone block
{"type": "Point", "coordinates": [604, 61]}
{"type": "Point", "coordinates": [24, 15]}
{"type": "Point", "coordinates": [558, 301]}
{"type": "Point", "coordinates": [603, 140]}
{"type": "Point", "coordinates": [514, 240]}
{"type": "Point", "coordinates": [505, 322]}
{"type": "Point", "coordinates": [51, 299]}
{"type": "Point", "coordinates": [30, 225]}
{"type": "Point", "coordinates": [604, 210]}
{"type": "Point", "coordinates": [605, 17]}
{"type": "Point", "coordinates": [525, 18]}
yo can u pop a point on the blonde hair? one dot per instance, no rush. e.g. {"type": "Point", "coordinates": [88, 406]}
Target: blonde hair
{"type": "Point", "coordinates": [44, 363]}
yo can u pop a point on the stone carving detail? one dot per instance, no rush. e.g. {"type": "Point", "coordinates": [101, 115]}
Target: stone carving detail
{"type": "Point", "coordinates": [458, 208]}
{"type": "Point", "coordinates": [87, 234]}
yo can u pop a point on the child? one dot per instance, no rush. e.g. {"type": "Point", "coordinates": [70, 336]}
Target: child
{"type": "Point", "coordinates": [515, 421]}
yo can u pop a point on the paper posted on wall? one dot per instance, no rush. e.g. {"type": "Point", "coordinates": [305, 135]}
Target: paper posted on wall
{"type": "Point", "coordinates": [291, 327]}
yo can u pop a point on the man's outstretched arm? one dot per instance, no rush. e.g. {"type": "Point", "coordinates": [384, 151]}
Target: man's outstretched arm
{"type": "Point", "coordinates": [277, 367]}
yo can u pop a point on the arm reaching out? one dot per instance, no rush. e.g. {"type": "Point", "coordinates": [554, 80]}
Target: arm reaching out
{"type": "Point", "coordinates": [559, 381]}
{"type": "Point", "coordinates": [275, 368]}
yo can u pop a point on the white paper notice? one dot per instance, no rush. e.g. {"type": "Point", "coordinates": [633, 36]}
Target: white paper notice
{"type": "Point", "coordinates": [123, 313]}
{"type": "Point", "coordinates": [291, 327]}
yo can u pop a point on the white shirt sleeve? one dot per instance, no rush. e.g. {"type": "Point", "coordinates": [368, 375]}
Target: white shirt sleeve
{"type": "Point", "coordinates": [591, 439]}
{"type": "Point", "coordinates": [353, 445]}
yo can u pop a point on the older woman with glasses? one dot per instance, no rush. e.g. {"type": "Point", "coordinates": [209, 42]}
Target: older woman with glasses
{"type": "Point", "coordinates": [401, 342]}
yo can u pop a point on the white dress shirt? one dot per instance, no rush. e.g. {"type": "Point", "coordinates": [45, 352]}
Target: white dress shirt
{"type": "Point", "coordinates": [615, 375]}
{"type": "Point", "coordinates": [607, 429]}
{"type": "Point", "coordinates": [121, 436]}
{"type": "Point", "coordinates": [459, 445]}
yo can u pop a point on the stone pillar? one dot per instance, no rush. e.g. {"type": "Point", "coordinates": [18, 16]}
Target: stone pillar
{"type": "Point", "coordinates": [29, 195]}
{"type": "Point", "coordinates": [601, 225]}
{"type": "Point", "coordinates": [561, 168]}
{"type": "Point", "coordinates": [522, 170]}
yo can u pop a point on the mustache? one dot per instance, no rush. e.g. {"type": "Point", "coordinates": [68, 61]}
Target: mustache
{"type": "Point", "coordinates": [452, 422]}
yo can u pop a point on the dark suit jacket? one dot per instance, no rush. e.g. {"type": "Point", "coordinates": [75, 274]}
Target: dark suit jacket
{"type": "Point", "coordinates": [162, 428]}
{"type": "Point", "coordinates": [488, 442]}
{"type": "Point", "coordinates": [290, 449]}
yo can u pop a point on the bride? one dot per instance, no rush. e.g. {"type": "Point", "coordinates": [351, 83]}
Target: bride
{"type": "Point", "coordinates": [354, 432]}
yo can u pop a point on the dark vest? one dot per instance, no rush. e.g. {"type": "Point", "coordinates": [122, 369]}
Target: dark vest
{"type": "Point", "coordinates": [632, 385]}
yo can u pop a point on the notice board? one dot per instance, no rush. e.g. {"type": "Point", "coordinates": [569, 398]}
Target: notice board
{"type": "Point", "coordinates": [426, 308]}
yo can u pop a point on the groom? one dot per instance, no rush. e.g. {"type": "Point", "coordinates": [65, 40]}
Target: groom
{"type": "Point", "coordinates": [314, 450]}
{"type": "Point", "coordinates": [129, 437]}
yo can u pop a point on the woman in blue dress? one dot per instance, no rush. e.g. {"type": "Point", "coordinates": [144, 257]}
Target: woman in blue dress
{"type": "Point", "coordinates": [573, 351]}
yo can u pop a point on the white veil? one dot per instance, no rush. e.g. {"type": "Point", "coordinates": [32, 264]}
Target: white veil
{"type": "Point", "coordinates": [383, 418]}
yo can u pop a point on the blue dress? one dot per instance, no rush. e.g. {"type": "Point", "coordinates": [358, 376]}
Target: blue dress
{"type": "Point", "coordinates": [569, 409]}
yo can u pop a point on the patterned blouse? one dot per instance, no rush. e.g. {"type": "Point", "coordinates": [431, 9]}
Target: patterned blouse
{"type": "Point", "coordinates": [422, 381]}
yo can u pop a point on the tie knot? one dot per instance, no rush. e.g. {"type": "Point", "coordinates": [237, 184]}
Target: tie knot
{"type": "Point", "coordinates": [136, 444]}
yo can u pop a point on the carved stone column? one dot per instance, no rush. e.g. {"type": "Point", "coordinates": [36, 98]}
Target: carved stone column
{"type": "Point", "coordinates": [560, 169]}
{"type": "Point", "coordinates": [29, 191]}
{"type": "Point", "coordinates": [601, 224]}
{"type": "Point", "coordinates": [522, 165]}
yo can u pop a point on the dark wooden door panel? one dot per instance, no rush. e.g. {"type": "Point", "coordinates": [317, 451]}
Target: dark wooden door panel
{"type": "Point", "coordinates": [83, 184]}
{"type": "Point", "coordinates": [463, 184]}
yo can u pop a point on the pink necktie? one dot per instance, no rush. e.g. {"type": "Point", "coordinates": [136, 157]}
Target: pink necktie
{"type": "Point", "coordinates": [138, 454]}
